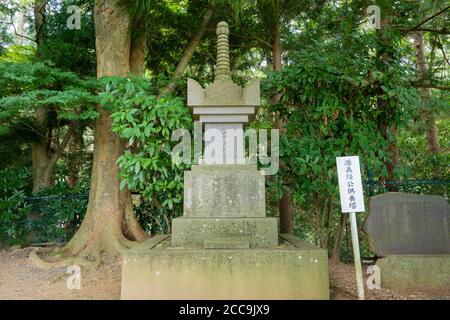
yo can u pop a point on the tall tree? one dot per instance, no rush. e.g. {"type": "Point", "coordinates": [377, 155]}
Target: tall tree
{"type": "Point", "coordinates": [386, 59]}
{"type": "Point", "coordinates": [275, 14]}
{"type": "Point", "coordinates": [272, 13]}
{"type": "Point", "coordinates": [109, 215]}
{"type": "Point", "coordinates": [432, 130]}
{"type": "Point", "coordinates": [41, 152]}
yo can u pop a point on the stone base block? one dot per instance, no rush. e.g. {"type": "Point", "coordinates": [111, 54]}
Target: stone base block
{"type": "Point", "coordinates": [415, 271]}
{"type": "Point", "coordinates": [193, 232]}
{"type": "Point", "coordinates": [293, 270]}
{"type": "Point", "coordinates": [224, 191]}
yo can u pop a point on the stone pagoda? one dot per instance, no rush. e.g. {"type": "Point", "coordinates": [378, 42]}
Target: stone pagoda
{"type": "Point", "coordinates": [224, 246]}
{"type": "Point", "coordinates": [223, 106]}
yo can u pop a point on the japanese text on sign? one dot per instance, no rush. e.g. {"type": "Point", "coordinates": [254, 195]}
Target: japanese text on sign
{"type": "Point", "coordinates": [350, 185]}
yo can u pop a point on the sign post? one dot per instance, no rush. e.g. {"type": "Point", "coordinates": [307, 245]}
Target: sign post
{"type": "Point", "coordinates": [352, 201]}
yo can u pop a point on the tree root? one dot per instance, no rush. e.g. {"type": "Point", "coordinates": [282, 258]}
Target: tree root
{"type": "Point", "coordinates": [39, 262]}
{"type": "Point", "coordinates": [91, 261]}
{"type": "Point", "coordinates": [87, 255]}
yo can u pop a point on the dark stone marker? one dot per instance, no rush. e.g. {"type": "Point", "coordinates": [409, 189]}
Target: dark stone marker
{"type": "Point", "coordinates": [402, 223]}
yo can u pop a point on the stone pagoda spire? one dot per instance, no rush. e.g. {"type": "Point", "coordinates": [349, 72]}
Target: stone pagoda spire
{"type": "Point", "coordinates": [223, 92]}
{"type": "Point", "coordinates": [223, 52]}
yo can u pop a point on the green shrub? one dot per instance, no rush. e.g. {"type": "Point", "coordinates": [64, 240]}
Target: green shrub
{"type": "Point", "coordinates": [14, 184]}
{"type": "Point", "coordinates": [60, 211]}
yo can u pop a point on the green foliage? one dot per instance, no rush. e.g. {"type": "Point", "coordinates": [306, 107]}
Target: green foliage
{"type": "Point", "coordinates": [52, 215]}
{"type": "Point", "coordinates": [67, 49]}
{"type": "Point", "coordinates": [58, 211]}
{"type": "Point", "coordinates": [416, 163]}
{"type": "Point", "coordinates": [14, 184]}
{"type": "Point", "coordinates": [146, 121]}
{"type": "Point", "coordinates": [26, 87]}
{"type": "Point", "coordinates": [331, 103]}
{"type": "Point", "coordinates": [18, 54]}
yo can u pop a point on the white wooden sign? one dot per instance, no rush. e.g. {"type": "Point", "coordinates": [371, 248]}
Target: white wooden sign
{"type": "Point", "coordinates": [352, 200]}
{"type": "Point", "coordinates": [350, 185]}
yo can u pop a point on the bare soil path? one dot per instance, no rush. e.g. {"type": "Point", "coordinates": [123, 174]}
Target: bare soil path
{"type": "Point", "coordinates": [20, 279]}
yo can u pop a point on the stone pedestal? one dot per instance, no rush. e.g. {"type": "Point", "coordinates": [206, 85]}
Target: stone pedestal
{"type": "Point", "coordinates": [291, 270]}
{"type": "Point", "coordinates": [224, 203]}
{"type": "Point", "coordinates": [231, 191]}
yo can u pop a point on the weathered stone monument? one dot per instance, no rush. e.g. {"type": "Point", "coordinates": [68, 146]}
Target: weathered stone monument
{"type": "Point", "coordinates": [412, 234]}
{"type": "Point", "coordinates": [402, 223]}
{"type": "Point", "coordinates": [224, 246]}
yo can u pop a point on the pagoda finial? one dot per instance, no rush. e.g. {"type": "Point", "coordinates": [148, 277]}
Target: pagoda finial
{"type": "Point", "coordinates": [223, 52]}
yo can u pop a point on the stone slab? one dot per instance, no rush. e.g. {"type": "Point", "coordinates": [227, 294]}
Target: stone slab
{"type": "Point", "coordinates": [224, 191]}
{"type": "Point", "coordinates": [415, 271]}
{"type": "Point", "coordinates": [401, 223]}
{"type": "Point", "coordinates": [223, 110]}
{"type": "Point", "coordinates": [192, 232]}
{"type": "Point", "coordinates": [249, 168]}
{"type": "Point", "coordinates": [285, 272]}
{"type": "Point", "coordinates": [226, 244]}
{"type": "Point", "coordinates": [229, 118]}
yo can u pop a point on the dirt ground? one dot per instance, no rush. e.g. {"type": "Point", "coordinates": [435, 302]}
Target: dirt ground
{"type": "Point", "coordinates": [20, 279]}
{"type": "Point", "coordinates": [343, 287]}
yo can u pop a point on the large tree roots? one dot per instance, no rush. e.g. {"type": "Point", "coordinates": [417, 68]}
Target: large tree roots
{"type": "Point", "coordinates": [86, 254]}
{"type": "Point", "coordinates": [99, 233]}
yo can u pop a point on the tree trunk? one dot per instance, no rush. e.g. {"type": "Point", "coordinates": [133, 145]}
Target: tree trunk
{"type": "Point", "coordinates": [39, 20]}
{"type": "Point", "coordinates": [131, 227]}
{"type": "Point", "coordinates": [137, 53]}
{"type": "Point", "coordinates": [336, 254]}
{"type": "Point", "coordinates": [434, 146]}
{"type": "Point", "coordinates": [286, 213]}
{"type": "Point", "coordinates": [285, 206]}
{"type": "Point", "coordinates": [190, 49]}
{"type": "Point", "coordinates": [106, 222]}
{"type": "Point", "coordinates": [432, 130]}
{"type": "Point", "coordinates": [21, 20]}
{"type": "Point", "coordinates": [393, 150]}
{"type": "Point", "coordinates": [75, 152]}
{"type": "Point", "coordinates": [40, 155]}
{"type": "Point", "coordinates": [101, 229]}
{"type": "Point", "coordinates": [389, 131]}
{"type": "Point", "coordinates": [42, 174]}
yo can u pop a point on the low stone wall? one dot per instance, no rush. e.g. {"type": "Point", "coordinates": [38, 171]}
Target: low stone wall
{"type": "Point", "coordinates": [415, 271]}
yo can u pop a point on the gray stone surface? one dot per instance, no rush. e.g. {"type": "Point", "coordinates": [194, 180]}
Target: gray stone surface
{"type": "Point", "coordinates": [400, 223]}
{"type": "Point", "coordinates": [415, 271]}
{"type": "Point", "coordinates": [192, 232]}
{"type": "Point", "coordinates": [223, 93]}
{"type": "Point", "coordinates": [223, 110]}
{"type": "Point", "coordinates": [224, 191]}
{"type": "Point", "coordinates": [283, 272]}
{"type": "Point", "coordinates": [226, 244]}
